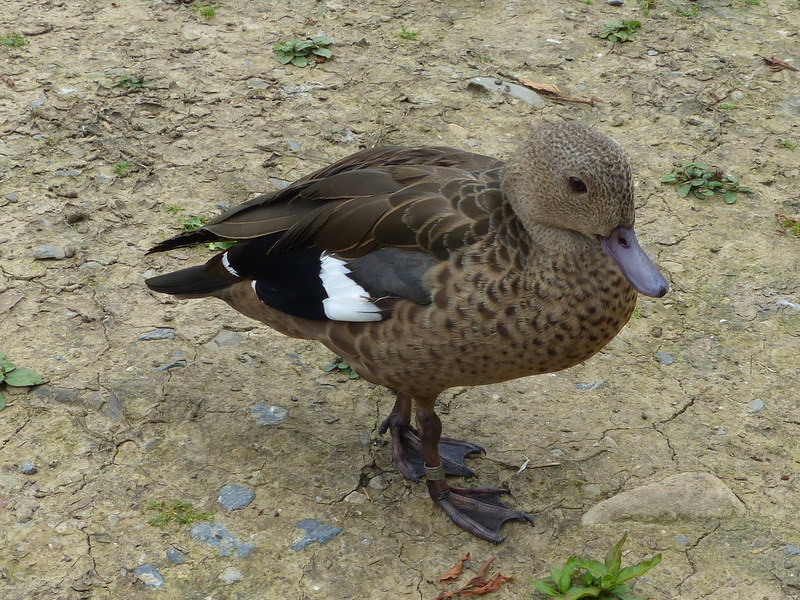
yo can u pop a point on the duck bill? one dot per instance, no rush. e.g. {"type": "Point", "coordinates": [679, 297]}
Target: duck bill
{"type": "Point", "coordinates": [624, 249]}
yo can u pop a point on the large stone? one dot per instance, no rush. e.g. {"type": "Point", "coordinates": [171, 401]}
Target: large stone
{"type": "Point", "coordinates": [680, 497]}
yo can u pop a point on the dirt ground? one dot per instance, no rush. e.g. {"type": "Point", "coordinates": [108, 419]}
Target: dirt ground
{"type": "Point", "coordinates": [124, 421]}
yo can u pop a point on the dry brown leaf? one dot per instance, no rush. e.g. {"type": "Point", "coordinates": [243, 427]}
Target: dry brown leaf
{"type": "Point", "coordinates": [8, 81]}
{"type": "Point", "coordinates": [776, 64]}
{"type": "Point", "coordinates": [542, 88]}
{"type": "Point", "coordinates": [491, 585]}
{"type": "Point", "coordinates": [456, 571]}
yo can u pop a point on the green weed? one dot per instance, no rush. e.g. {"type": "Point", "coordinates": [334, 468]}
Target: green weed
{"type": "Point", "coordinates": [786, 144]}
{"type": "Point", "coordinates": [130, 82]}
{"type": "Point", "coordinates": [338, 365]}
{"type": "Point", "coordinates": [206, 10]}
{"type": "Point", "coordinates": [298, 52]}
{"type": "Point", "coordinates": [14, 376]}
{"type": "Point", "coordinates": [174, 208]}
{"type": "Point", "coordinates": [407, 34]}
{"type": "Point", "coordinates": [121, 167]}
{"type": "Point", "coordinates": [182, 513]}
{"type": "Point", "coordinates": [691, 11]}
{"type": "Point", "coordinates": [13, 40]}
{"type": "Point", "coordinates": [582, 578]}
{"type": "Point", "coordinates": [788, 224]}
{"type": "Point", "coordinates": [647, 5]}
{"type": "Point", "coordinates": [586, 1]}
{"type": "Point", "coordinates": [726, 106]}
{"type": "Point", "coordinates": [620, 31]}
{"type": "Point", "coordinates": [702, 182]}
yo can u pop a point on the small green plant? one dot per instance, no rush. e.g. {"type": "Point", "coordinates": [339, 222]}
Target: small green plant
{"type": "Point", "coordinates": [753, 2]}
{"type": "Point", "coordinates": [407, 34]}
{"type": "Point", "coordinates": [14, 376]}
{"type": "Point", "coordinates": [13, 40]}
{"type": "Point", "coordinates": [182, 513]}
{"type": "Point", "coordinates": [174, 208]}
{"type": "Point", "coordinates": [206, 10]}
{"type": "Point", "coordinates": [786, 144]}
{"type": "Point", "coordinates": [620, 31]}
{"type": "Point", "coordinates": [121, 167]}
{"type": "Point", "coordinates": [130, 82]}
{"type": "Point", "coordinates": [338, 365]}
{"type": "Point", "coordinates": [298, 52]}
{"type": "Point", "coordinates": [788, 224]}
{"type": "Point", "coordinates": [647, 5]}
{"type": "Point", "coordinates": [702, 182]}
{"type": "Point", "coordinates": [582, 578]}
{"type": "Point", "coordinates": [726, 106]}
{"type": "Point", "coordinates": [692, 11]}
{"type": "Point", "coordinates": [192, 223]}
{"type": "Point", "coordinates": [586, 1]}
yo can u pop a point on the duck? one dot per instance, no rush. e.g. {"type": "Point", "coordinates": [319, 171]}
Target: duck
{"type": "Point", "coordinates": [429, 267]}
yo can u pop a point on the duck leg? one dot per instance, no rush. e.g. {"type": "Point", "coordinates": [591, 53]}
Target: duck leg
{"type": "Point", "coordinates": [478, 511]}
{"type": "Point", "coordinates": [407, 445]}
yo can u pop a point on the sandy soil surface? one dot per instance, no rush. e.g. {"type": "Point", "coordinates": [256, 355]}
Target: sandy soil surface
{"type": "Point", "coordinates": [97, 170]}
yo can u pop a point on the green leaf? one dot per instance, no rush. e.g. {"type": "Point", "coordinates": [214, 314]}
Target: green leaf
{"type": "Point", "coordinates": [322, 40]}
{"type": "Point", "coordinates": [595, 567]}
{"type": "Point", "coordinates": [324, 52]}
{"type": "Point", "coordinates": [543, 588]}
{"type": "Point", "coordinates": [301, 46]}
{"type": "Point", "coordinates": [2, 401]}
{"type": "Point", "coordinates": [7, 367]}
{"type": "Point", "coordinates": [683, 190]}
{"type": "Point", "coordinates": [730, 197]}
{"type": "Point", "coordinates": [613, 560]}
{"type": "Point", "coordinates": [732, 179]}
{"type": "Point", "coordinates": [744, 189]}
{"type": "Point", "coordinates": [299, 61]}
{"type": "Point", "coordinates": [23, 377]}
{"type": "Point", "coordinates": [669, 178]}
{"type": "Point", "coordinates": [564, 578]}
{"type": "Point", "coordinates": [638, 569]}
{"type": "Point", "coordinates": [285, 58]}
{"type": "Point", "coordinates": [583, 592]}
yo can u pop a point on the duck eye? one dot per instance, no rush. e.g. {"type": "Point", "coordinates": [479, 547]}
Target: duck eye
{"type": "Point", "coordinates": [577, 185]}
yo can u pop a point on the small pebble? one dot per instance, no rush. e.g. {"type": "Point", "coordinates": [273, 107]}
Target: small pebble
{"type": "Point", "coordinates": [47, 252]}
{"type": "Point", "coordinates": [664, 358]}
{"type": "Point", "coordinates": [28, 468]}
{"type": "Point", "coordinates": [68, 173]}
{"type": "Point", "coordinates": [616, 2]}
{"type": "Point", "coordinates": [314, 531]}
{"type": "Point", "coordinates": [230, 575]}
{"type": "Point", "coordinates": [652, 52]}
{"type": "Point", "coordinates": [355, 498]}
{"type": "Point", "coordinates": [756, 406]}
{"type": "Point", "coordinates": [293, 145]}
{"type": "Point", "coordinates": [257, 84]}
{"type": "Point", "coordinates": [148, 576]}
{"type": "Point", "coordinates": [791, 550]}
{"type": "Point", "coordinates": [268, 415]}
{"type": "Point", "coordinates": [175, 556]}
{"type": "Point", "coordinates": [226, 338]}
{"type": "Point", "coordinates": [162, 333]}
{"type": "Point", "coordinates": [235, 497]}
{"type": "Point", "coordinates": [681, 540]}
{"type": "Point", "coordinates": [377, 483]}
{"type": "Point", "coordinates": [217, 536]}
{"type": "Point", "coordinates": [12, 197]}
{"type": "Point", "coordinates": [589, 386]}
{"type": "Point", "coordinates": [172, 365]}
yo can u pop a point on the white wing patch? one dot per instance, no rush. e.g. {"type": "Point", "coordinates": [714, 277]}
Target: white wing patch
{"type": "Point", "coordinates": [346, 301]}
{"type": "Point", "coordinates": [227, 265]}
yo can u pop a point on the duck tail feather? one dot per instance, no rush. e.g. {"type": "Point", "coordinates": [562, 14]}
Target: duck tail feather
{"type": "Point", "coordinates": [194, 282]}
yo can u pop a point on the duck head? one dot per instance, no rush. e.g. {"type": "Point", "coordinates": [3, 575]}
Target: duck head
{"type": "Point", "coordinates": [568, 176]}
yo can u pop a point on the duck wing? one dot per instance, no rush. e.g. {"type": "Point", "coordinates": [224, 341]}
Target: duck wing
{"type": "Point", "coordinates": [345, 242]}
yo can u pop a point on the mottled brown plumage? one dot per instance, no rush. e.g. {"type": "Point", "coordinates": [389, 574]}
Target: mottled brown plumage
{"type": "Point", "coordinates": [529, 267]}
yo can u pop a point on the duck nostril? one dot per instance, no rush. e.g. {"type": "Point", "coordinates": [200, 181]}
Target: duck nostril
{"type": "Point", "coordinates": [623, 242]}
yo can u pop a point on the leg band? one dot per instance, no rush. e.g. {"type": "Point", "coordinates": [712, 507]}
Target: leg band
{"type": "Point", "coordinates": [434, 473]}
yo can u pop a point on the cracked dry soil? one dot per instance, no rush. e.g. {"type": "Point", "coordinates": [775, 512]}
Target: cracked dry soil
{"type": "Point", "coordinates": [220, 120]}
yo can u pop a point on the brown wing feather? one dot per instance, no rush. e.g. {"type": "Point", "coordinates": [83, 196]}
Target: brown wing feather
{"type": "Point", "coordinates": [424, 198]}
